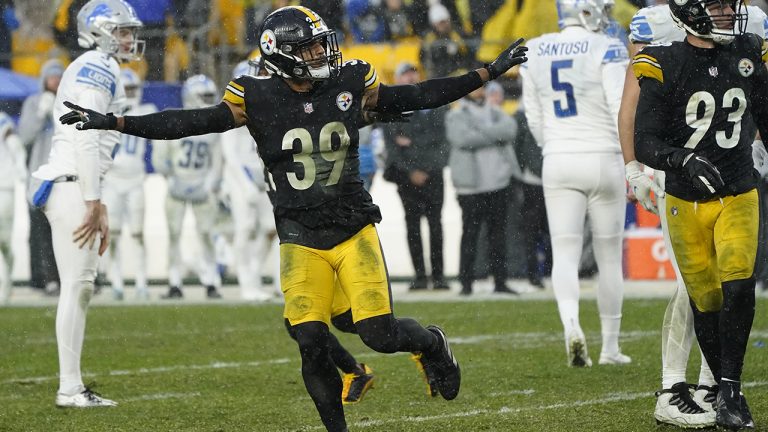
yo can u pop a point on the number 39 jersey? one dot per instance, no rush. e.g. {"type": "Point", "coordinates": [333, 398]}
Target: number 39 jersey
{"type": "Point", "coordinates": [702, 99]}
{"type": "Point", "coordinates": [309, 143]}
{"type": "Point", "coordinates": [572, 85]}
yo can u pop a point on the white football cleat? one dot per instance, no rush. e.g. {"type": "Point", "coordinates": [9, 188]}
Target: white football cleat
{"type": "Point", "coordinates": [676, 407]}
{"type": "Point", "coordinates": [85, 399]}
{"type": "Point", "coordinates": [614, 359]}
{"type": "Point", "coordinates": [577, 352]}
{"type": "Point", "coordinates": [706, 396]}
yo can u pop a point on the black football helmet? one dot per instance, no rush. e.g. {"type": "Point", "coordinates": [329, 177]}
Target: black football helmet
{"type": "Point", "coordinates": [286, 36]}
{"type": "Point", "coordinates": [697, 18]}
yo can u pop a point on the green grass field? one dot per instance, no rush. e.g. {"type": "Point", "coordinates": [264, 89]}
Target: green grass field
{"type": "Point", "coordinates": [233, 368]}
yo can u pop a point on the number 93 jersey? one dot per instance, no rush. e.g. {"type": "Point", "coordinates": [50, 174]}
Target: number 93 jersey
{"type": "Point", "coordinates": [309, 143]}
{"type": "Point", "coordinates": [702, 99]}
{"type": "Point", "coordinates": [572, 85]}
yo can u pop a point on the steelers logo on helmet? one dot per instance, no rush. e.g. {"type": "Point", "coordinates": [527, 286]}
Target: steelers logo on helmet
{"type": "Point", "coordinates": [344, 100]}
{"type": "Point", "coordinates": [268, 42]}
{"type": "Point", "coordinates": [746, 67]}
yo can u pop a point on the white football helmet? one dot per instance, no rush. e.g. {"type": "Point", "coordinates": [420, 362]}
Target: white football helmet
{"type": "Point", "coordinates": [98, 26]}
{"type": "Point", "coordinates": [590, 14]}
{"type": "Point", "coordinates": [199, 91]}
{"type": "Point", "coordinates": [134, 87]}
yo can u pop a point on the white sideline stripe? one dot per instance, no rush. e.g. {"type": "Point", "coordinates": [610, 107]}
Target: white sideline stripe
{"type": "Point", "coordinates": [526, 392]}
{"type": "Point", "coordinates": [162, 369]}
{"type": "Point", "coordinates": [614, 397]}
{"type": "Point", "coordinates": [161, 396]}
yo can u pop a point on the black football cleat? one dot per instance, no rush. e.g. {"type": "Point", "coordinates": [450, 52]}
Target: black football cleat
{"type": "Point", "coordinates": [174, 292]}
{"type": "Point", "coordinates": [730, 414]}
{"type": "Point", "coordinates": [442, 365]}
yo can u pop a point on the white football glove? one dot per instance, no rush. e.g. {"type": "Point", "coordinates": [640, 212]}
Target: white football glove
{"type": "Point", "coordinates": [642, 186]}
{"type": "Point", "coordinates": [760, 158]}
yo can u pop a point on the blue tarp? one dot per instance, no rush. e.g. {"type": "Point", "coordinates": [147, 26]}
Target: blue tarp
{"type": "Point", "coordinates": [16, 86]}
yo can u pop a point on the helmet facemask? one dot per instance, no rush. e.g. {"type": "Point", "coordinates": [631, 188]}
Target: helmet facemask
{"type": "Point", "coordinates": [128, 45]}
{"type": "Point", "coordinates": [705, 19]}
{"type": "Point", "coordinates": [306, 63]}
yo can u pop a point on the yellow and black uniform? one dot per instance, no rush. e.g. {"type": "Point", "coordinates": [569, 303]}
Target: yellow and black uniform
{"type": "Point", "coordinates": [323, 214]}
{"type": "Point", "coordinates": [705, 102]}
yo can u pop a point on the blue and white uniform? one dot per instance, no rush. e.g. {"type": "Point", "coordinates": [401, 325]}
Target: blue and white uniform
{"type": "Point", "coordinates": [13, 165]}
{"type": "Point", "coordinates": [572, 86]}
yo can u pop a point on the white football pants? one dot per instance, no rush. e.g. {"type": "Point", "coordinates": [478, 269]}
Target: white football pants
{"type": "Point", "coordinates": [125, 205]}
{"type": "Point", "coordinates": [205, 217]}
{"type": "Point", "coordinates": [574, 184]}
{"type": "Point", "coordinates": [253, 223]}
{"type": "Point", "coordinates": [7, 204]}
{"type": "Point", "coordinates": [77, 271]}
{"type": "Point", "coordinates": [677, 333]}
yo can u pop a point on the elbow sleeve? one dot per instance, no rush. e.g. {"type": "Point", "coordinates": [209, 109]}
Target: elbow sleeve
{"type": "Point", "coordinates": [175, 124]}
{"type": "Point", "coordinates": [427, 94]}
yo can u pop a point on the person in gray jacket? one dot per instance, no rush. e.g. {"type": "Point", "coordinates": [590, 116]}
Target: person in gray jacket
{"type": "Point", "coordinates": [483, 163]}
{"type": "Point", "coordinates": [36, 132]}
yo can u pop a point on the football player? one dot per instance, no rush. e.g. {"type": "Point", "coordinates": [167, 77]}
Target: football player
{"type": "Point", "coordinates": [699, 103]}
{"type": "Point", "coordinates": [572, 92]}
{"type": "Point", "coordinates": [674, 404]}
{"type": "Point", "coordinates": [124, 191]}
{"type": "Point", "coordinates": [13, 164]}
{"type": "Point", "coordinates": [68, 187]}
{"type": "Point", "coordinates": [193, 167]}
{"type": "Point", "coordinates": [251, 210]}
{"type": "Point", "coordinates": [304, 118]}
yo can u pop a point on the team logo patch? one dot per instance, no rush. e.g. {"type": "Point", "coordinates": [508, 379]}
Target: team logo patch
{"type": "Point", "coordinates": [746, 67]}
{"type": "Point", "coordinates": [713, 71]}
{"type": "Point", "coordinates": [344, 100]}
{"type": "Point", "coordinates": [308, 108]}
{"type": "Point", "coordinates": [268, 42]}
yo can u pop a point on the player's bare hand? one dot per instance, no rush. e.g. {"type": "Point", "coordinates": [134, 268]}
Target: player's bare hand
{"type": "Point", "coordinates": [85, 235]}
{"type": "Point", "coordinates": [510, 57]}
{"type": "Point", "coordinates": [85, 118]}
{"type": "Point", "coordinates": [641, 186]}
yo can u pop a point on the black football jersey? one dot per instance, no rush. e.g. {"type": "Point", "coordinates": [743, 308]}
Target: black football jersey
{"type": "Point", "coordinates": [309, 144]}
{"type": "Point", "coordinates": [702, 99]}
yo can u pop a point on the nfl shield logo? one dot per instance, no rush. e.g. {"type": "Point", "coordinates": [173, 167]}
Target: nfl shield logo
{"type": "Point", "coordinates": [713, 71]}
{"type": "Point", "coordinates": [308, 108]}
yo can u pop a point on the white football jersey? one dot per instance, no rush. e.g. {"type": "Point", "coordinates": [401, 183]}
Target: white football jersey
{"type": "Point", "coordinates": [192, 165]}
{"type": "Point", "coordinates": [572, 85]}
{"type": "Point", "coordinates": [91, 81]}
{"type": "Point", "coordinates": [12, 154]}
{"type": "Point", "coordinates": [130, 159]}
{"type": "Point", "coordinates": [245, 170]}
{"type": "Point", "coordinates": [654, 24]}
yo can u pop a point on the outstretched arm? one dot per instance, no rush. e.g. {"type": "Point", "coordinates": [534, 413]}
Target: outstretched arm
{"type": "Point", "coordinates": [437, 92]}
{"type": "Point", "coordinates": [164, 125]}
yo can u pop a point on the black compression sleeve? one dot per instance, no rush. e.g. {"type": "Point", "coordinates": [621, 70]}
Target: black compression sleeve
{"type": "Point", "coordinates": [651, 133]}
{"type": "Point", "coordinates": [174, 124]}
{"type": "Point", "coordinates": [427, 94]}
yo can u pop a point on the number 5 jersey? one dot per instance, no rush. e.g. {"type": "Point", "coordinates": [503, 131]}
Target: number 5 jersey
{"type": "Point", "coordinates": [572, 85]}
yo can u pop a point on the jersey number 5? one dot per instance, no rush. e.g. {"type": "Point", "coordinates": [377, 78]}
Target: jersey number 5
{"type": "Point", "coordinates": [569, 110]}
{"type": "Point", "coordinates": [304, 157]}
{"type": "Point", "coordinates": [701, 124]}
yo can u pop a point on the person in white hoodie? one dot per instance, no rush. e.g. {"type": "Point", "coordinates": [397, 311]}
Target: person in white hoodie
{"type": "Point", "coordinates": [69, 185]}
{"type": "Point", "coordinates": [572, 91]}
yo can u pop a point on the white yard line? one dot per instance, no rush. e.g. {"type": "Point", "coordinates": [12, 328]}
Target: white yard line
{"type": "Point", "coordinates": [160, 396]}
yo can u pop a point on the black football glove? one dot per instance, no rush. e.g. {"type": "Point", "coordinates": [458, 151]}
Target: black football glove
{"type": "Point", "coordinates": [89, 119]}
{"type": "Point", "coordinates": [512, 56]}
{"type": "Point", "coordinates": [383, 117]}
{"type": "Point", "coordinates": [704, 175]}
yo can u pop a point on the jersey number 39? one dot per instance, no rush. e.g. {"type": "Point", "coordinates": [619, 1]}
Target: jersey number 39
{"type": "Point", "coordinates": [304, 157]}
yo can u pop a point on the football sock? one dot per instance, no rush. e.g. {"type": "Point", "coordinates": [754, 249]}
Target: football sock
{"type": "Point", "coordinates": [610, 326]}
{"type": "Point", "coordinates": [387, 334]}
{"type": "Point", "coordinates": [676, 339]}
{"type": "Point", "coordinates": [340, 356]}
{"type": "Point", "coordinates": [707, 326]}
{"type": "Point", "coordinates": [735, 324]}
{"type": "Point", "coordinates": [115, 273]}
{"type": "Point", "coordinates": [141, 262]}
{"type": "Point", "coordinates": [70, 332]}
{"type": "Point", "coordinates": [321, 379]}
{"type": "Point", "coordinates": [705, 374]}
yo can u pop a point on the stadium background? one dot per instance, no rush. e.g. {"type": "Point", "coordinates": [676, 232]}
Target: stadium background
{"type": "Point", "coordinates": [36, 30]}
